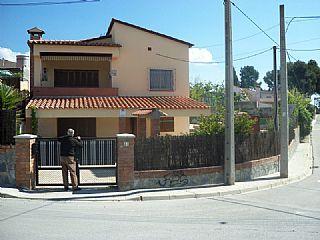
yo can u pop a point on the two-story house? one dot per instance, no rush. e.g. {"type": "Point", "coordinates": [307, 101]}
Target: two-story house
{"type": "Point", "coordinates": [118, 83]}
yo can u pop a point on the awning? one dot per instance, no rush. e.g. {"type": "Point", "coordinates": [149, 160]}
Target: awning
{"type": "Point", "coordinates": [76, 58]}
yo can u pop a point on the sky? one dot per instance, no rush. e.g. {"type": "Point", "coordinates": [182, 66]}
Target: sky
{"type": "Point", "coordinates": [200, 22]}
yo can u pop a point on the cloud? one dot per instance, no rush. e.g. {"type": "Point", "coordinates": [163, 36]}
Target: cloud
{"type": "Point", "coordinates": [202, 55]}
{"type": "Point", "coordinates": [10, 55]}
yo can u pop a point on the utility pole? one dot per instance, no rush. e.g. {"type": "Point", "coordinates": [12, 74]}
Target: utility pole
{"type": "Point", "coordinates": [229, 160]}
{"type": "Point", "coordinates": [284, 99]}
{"type": "Point", "coordinates": [275, 89]}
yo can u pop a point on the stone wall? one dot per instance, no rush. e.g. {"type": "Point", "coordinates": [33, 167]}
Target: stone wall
{"type": "Point", "coordinates": [206, 175]}
{"type": "Point", "coordinates": [7, 166]}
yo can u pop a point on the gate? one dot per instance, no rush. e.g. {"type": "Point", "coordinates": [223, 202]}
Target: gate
{"type": "Point", "coordinates": [97, 162]}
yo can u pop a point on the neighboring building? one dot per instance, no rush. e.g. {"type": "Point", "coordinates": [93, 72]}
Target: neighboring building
{"type": "Point", "coordinates": [111, 84]}
{"type": "Point", "coordinates": [21, 66]}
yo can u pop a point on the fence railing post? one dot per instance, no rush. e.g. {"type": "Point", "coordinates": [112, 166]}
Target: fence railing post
{"type": "Point", "coordinates": [25, 161]}
{"type": "Point", "coordinates": [125, 161]}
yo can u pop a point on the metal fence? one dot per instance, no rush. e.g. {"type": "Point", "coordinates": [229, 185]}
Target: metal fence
{"type": "Point", "coordinates": [176, 152]}
{"type": "Point", "coordinates": [94, 152]}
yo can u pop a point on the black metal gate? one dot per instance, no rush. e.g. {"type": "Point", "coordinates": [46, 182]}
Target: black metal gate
{"type": "Point", "coordinates": [97, 162]}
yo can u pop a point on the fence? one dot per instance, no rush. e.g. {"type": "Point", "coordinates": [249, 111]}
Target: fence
{"type": "Point", "coordinates": [7, 126]}
{"type": "Point", "coordinates": [176, 152]}
{"type": "Point", "coordinates": [94, 152]}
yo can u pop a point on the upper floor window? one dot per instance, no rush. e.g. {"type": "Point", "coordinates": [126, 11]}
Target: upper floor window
{"type": "Point", "coordinates": [161, 80]}
{"type": "Point", "coordinates": [76, 78]}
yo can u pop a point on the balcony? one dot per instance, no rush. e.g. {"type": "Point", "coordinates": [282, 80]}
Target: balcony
{"type": "Point", "coordinates": [74, 91]}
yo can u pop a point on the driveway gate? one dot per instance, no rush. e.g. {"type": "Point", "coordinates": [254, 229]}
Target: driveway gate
{"type": "Point", "coordinates": [97, 162]}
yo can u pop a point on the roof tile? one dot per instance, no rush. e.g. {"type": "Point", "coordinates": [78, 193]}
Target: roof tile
{"type": "Point", "coordinates": [160, 102]}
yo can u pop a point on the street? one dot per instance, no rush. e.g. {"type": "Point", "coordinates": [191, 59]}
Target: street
{"type": "Point", "coordinates": [288, 212]}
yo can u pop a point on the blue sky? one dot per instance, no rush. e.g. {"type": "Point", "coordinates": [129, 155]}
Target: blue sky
{"type": "Point", "coordinates": [200, 22]}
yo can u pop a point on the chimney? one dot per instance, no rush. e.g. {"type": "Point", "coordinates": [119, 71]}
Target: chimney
{"type": "Point", "coordinates": [35, 33]}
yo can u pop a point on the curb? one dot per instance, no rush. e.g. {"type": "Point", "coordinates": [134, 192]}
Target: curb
{"type": "Point", "coordinates": [188, 194]}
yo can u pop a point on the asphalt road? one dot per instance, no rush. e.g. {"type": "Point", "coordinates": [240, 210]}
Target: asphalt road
{"type": "Point", "coordinates": [288, 212]}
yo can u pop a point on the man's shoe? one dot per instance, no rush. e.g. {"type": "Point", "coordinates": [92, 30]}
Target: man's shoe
{"type": "Point", "coordinates": [76, 189]}
{"type": "Point", "coordinates": [66, 189]}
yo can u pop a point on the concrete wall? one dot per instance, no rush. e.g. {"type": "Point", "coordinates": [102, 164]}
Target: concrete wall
{"type": "Point", "coordinates": [181, 126]}
{"type": "Point", "coordinates": [107, 127]}
{"type": "Point", "coordinates": [47, 127]}
{"type": "Point", "coordinates": [206, 175]}
{"type": "Point", "coordinates": [7, 166]}
{"type": "Point", "coordinates": [295, 142]}
{"type": "Point", "coordinates": [135, 60]}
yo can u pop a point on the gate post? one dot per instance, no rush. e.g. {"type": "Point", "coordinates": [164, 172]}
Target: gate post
{"type": "Point", "coordinates": [25, 162]}
{"type": "Point", "coordinates": [125, 161]}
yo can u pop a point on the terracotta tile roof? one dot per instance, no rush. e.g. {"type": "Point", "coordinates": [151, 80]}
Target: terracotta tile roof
{"type": "Point", "coordinates": [142, 112]}
{"type": "Point", "coordinates": [117, 102]}
{"type": "Point", "coordinates": [73, 42]}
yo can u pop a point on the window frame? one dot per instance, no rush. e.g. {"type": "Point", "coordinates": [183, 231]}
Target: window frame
{"type": "Point", "coordinates": [166, 120]}
{"type": "Point", "coordinates": [159, 89]}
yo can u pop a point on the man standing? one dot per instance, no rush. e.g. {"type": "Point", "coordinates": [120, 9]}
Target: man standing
{"type": "Point", "coordinates": [68, 146]}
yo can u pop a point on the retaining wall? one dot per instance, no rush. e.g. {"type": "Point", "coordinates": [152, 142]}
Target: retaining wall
{"type": "Point", "coordinates": [7, 166]}
{"type": "Point", "coordinates": [206, 175]}
{"type": "Point", "coordinates": [294, 143]}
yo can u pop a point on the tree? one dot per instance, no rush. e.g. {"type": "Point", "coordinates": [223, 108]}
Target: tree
{"type": "Point", "coordinates": [209, 93]}
{"type": "Point", "coordinates": [269, 79]}
{"type": "Point", "coordinates": [305, 77]}
{"type": "Point", "coordinates": [9, 97]}
{"type": "Point", "coordinates": [249, 77]}
{"type": "Point", "coordinates": [235, 79]}
{"type": "Point", "coordinates": [214, 124]}
{"type": "Point", "coordinates": [302, 111]}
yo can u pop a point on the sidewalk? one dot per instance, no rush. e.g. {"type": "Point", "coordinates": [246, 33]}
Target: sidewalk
{"type": "Point", "coordinates": [300, 166]}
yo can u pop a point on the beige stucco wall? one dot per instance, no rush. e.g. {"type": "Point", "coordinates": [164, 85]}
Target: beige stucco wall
{"type": "Point", "coordinates": [47, 127]}
{"type": "Point", "coordinates": [102, 67]}
{"type": "Point", "coordinates": [107, 127]}
{"type": "Point", "coordinates": [181, 126]}
{"type": "Point", "coordinates": [38, 64]}
{"type": "Point", "coordinates": [135, 60]}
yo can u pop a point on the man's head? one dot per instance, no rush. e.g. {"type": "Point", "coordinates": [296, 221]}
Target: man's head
{"type": "Point", "coordinates": [70, 132]}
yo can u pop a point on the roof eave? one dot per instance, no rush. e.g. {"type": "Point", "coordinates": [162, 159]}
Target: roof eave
{"type": "Point", "coordinates": [146, 30]}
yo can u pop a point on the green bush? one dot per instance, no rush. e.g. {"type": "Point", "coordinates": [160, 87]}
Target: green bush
{"type": "Point", "coordinates": [214, 124]}
{"type": "Point", "coordinates": [303, 111]}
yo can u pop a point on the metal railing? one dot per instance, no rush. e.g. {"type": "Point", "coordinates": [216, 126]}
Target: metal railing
{"type": "Point", "coordinates": [95, 152]}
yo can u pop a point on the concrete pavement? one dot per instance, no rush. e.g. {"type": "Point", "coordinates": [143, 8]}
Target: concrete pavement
{"type": "Point", "coordinates": [300, 166]}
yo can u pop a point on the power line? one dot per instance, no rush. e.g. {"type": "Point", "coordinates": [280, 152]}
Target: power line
{"type": "Point", "coordinates": [216, 62]}
{"type": "Point", "coordinates": [45, 3]}
{"type": "Point", "coordinates": [240, 39]}
{"type": "Point", "coordinates": [254, 23]}
{"type": "Point", "coordinates": [302, 41]}
{"type": "Point", "coordinates": [304, 50]}
{"type": "Point", "coordinates": [304, 17]}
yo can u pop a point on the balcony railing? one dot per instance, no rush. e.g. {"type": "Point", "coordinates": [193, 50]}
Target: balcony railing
{"type": "Point", "coordinates": [65, 91]}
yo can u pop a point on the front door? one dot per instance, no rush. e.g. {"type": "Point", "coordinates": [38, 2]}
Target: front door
{"type": "Point", "coordinates": [84, 127]}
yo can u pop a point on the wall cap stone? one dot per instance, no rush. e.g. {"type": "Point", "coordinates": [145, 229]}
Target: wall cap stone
{"type": "Point", "coordinates": [125, 135]}
{"type": "Point", "coordinates": [25, 136]}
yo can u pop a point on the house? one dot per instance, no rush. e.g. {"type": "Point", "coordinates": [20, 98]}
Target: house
{"type": "Point", "coordinates": [259, 104]}
{"type": "Point", "coordinates": [129, 81]}
{"type": "Point", "coordinates": [16, 74]}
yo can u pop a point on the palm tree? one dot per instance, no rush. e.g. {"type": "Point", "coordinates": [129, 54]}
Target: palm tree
{"type": "Point", "coordinates": [9, 97]}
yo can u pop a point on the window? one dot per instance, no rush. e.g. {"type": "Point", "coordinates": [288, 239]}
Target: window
{"type": "Point", "coordinates": [167, 124]}
{"type": "Point", "coordinates": [161, 79]}
{"type": "Point", "coordinates": [76, 78]}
